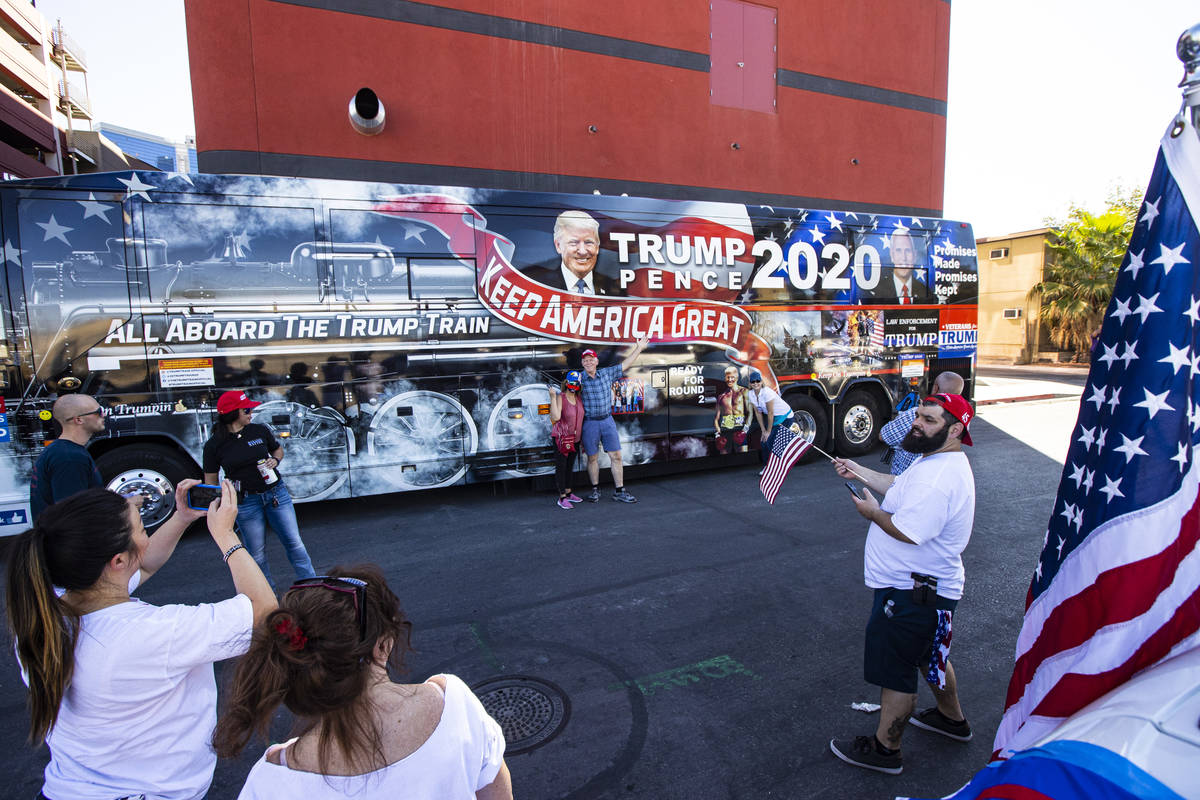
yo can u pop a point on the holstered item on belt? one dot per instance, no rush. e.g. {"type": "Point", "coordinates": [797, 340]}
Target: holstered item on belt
{"type": "Point", "coordinates": [924, 591]}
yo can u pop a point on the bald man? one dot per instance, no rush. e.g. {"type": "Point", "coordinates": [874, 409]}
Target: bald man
{"type": "Point", "coordinates": [65, 466]}
{"type": "Point", "coordinates": [894, 432]}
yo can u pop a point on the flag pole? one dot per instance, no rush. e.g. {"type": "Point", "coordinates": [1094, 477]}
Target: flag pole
{"type": "Point", "coordinates": [852, 472]}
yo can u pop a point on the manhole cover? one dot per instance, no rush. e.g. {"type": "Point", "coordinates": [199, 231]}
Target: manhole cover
{"type": "Point", "coordinates": [530, 711]}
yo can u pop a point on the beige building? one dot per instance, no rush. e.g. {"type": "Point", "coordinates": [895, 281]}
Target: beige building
{"type": "Point", "coordinates": [45, 111]}
{"type": "Point", "coordinates": [1010, 330]}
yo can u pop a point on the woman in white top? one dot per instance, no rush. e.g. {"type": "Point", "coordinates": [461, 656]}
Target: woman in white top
{"type": "Point", "coordinates": [325, 655]}
{"type": "Point", "coordinates": [122, 691]}
{"type": "Point", "coordinates": [769, 405]}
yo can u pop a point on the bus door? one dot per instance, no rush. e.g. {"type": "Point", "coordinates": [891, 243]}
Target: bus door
{"type": "Point", "coordinates": [408, 300]}
{"type": "Point", "coordinates": [77, 266]}
{"type": "Point", "coordinates": [692, 390]}
{"type": "Point", "coordinates": [77, 271]}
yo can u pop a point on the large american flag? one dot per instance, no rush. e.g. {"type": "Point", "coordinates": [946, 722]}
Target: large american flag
{"type": "Point", "coordinates": [1117, 585]}
{"type": "Point", "coordinates": [786, 449]}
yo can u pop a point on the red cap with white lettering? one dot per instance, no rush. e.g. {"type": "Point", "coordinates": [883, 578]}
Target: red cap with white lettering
{"type": "Point", "coordinates": [958, 407]}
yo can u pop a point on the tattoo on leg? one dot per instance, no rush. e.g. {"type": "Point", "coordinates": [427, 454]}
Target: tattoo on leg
{"type": "Point", "coordinates": [896, 729]}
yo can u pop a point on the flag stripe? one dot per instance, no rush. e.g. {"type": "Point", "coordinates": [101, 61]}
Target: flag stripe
{"type": "Point", "coordinates": [1110, 545]}
{"type": "Point", "coordinates": [1072, 622]}
{"type": "Point", "coordinates": [1108, 649]}
{"type": "Point", "coordinates": [1065, 699]}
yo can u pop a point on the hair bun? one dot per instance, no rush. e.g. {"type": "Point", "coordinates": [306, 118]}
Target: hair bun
{"type": "Point", "coordinates": [290, 632]}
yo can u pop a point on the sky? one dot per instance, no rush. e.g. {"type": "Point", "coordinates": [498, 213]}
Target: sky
{"type": "Point", "coordinates": [1051, 102]}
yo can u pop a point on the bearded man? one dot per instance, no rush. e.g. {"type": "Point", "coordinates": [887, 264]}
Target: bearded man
{"type": "Point", "coordinates": [913, 561]}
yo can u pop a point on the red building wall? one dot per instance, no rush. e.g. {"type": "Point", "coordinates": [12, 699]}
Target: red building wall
{"type": "Point", "coordinates": [484, 93]}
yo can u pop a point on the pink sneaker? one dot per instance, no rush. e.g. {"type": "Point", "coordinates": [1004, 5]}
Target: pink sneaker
{"type": "Point", "coordinates": [564, 503]}
{"type": "Point", "coordinates": [574, 498]}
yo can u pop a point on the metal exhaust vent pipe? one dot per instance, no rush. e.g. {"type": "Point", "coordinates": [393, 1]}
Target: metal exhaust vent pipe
{"type": "Point", "coordinates": [366, 112]}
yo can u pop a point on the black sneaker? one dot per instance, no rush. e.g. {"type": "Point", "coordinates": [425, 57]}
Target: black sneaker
{"type": "Point", "coordinates": [594, 497]}
{"type": "Point", "coordinates": [933, 720]}
{"type": "Point", "coordinates": [623, 496]}
{"type": "Point", "coordinates": [860, 751]}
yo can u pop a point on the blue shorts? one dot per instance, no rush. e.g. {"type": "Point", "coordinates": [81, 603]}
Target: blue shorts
{"type": "Point", "coordinates": [900, 636]}
{"type": "Point", "coordinates": [600, 431]}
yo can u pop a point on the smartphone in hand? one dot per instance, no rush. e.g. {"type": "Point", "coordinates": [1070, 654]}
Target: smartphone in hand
{"type": "Point", "coordinates": [854, 491]}
{"type": "Point", "coordinates": [202, 495]}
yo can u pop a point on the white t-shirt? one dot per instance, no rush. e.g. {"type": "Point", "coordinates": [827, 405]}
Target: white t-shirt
{"type": "Point", "coordinates": [460, 757]}
{"type": "Point", "coordinates": [139, 713]}
{"type": "Point", "coordinates": [768, 402]}
{"type": "Point", "coordinates": [933, 503]}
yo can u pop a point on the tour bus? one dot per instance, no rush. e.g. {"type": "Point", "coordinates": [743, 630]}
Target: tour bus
{"type": "Point", "coordinates": [405, 337]}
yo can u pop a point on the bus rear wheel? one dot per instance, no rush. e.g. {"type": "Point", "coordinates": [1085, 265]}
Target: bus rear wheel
{"type": "Point", "coordinates": [857, 424]}
{"type": "Point", "coordinates": [150, 470]}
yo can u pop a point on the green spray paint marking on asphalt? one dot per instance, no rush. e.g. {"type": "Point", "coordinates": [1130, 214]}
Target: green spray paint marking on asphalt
{"type": "Point", "coordinates": [682, 677]}
{"type": "Point", "coordinates": [488, 655]}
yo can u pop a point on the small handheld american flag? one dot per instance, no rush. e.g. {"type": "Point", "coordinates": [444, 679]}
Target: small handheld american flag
{"type": "Point", "coordinates": [786, 449]}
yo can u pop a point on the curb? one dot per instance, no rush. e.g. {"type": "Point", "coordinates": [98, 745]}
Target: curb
{"type": "Point", "coordinates": [1025, 399]}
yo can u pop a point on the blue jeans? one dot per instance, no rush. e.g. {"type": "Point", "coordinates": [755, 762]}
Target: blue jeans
{"type": "Point", "coordinates": [274, 506]}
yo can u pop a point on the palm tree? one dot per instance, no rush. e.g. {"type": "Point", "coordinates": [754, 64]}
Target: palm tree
{"type": "Point", "coordinates": [1077, 284]}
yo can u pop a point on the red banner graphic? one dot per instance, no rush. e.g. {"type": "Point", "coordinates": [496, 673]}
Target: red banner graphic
{"type": "Point", "coordinates": [514, 298]}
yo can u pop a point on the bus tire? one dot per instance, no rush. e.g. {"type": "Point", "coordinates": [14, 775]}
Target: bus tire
{"type": "Point", "coordinates": [857, 427]}
{"type": "Point", "coordinates": [151, 469]}
{"type": "Point", "coordinates": [812, 416]}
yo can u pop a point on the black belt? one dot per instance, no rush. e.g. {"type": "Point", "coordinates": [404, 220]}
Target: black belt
{"type": "Point", "coordinates": [596, 419]}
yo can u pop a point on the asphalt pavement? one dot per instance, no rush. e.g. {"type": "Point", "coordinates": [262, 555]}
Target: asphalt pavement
{"type": "Point", "coordinates": [698, 644]}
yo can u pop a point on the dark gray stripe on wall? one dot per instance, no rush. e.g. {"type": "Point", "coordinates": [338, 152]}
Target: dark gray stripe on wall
{"type": "Point", "coordinates": [237, 162]}
{"type": "Point", "coordinates": [860, 91]}
{"type": "Point", "coordinates": [534, 33]}
{"type": "Point", "coordinates": [518, 30]}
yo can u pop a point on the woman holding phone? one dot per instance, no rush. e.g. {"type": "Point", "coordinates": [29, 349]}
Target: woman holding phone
{"type": "Point", "coordinates": [122, 691]}
{"type": "Point", "coordinates": [249, 454]}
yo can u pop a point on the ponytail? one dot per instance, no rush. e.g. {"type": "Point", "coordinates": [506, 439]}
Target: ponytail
{"type": "Point", "coordinates": [45, 630]}
{"type": "Point", "coordinates": [68, 546]}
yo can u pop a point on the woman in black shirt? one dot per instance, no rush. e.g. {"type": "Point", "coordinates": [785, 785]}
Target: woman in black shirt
{"type": "Point", "coordinates": [241, 448]}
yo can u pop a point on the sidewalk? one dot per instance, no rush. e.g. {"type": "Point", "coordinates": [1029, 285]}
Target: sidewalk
{"type": "Point", "coordinates": [992, 389]}
{"type": "Point", "coordinates": [1078, 370]}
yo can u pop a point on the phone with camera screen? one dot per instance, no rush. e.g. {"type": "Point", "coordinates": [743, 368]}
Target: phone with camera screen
{"type": "Point", "coordinates": [853, 490]}
{"type": "Point", "coordinates": [201, 496]}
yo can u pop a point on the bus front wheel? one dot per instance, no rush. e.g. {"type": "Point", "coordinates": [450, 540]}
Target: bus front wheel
{"type": "Point", "coordinates": [812, 416]}
{"type": "Point", "coordinates": [150, 470]}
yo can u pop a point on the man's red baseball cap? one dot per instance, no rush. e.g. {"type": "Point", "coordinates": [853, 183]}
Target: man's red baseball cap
{"type": "Point", "coordinates": [589, 352]}
{"type": "Point", "coordinates": [231, 401]}
{"type": "Point", "coordinates": [958, 407]}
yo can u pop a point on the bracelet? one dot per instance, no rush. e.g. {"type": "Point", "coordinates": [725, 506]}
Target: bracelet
{"type": "Point", "coordinates": [232, 550]}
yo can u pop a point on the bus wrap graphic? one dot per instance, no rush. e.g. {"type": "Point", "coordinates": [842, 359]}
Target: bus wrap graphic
{"type": "Point", "coordinates": [541, 310]}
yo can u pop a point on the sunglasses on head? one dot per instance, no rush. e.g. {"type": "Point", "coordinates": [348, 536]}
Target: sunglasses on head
{"type": "Point", "coordinates": [352, 586]}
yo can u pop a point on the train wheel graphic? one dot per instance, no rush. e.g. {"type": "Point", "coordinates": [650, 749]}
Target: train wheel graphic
{"type": "Point", "coordinates": [515, 422]}
{"type": "Point", "coordinates": [316, 443]}
{"type": "Point", "coordinates": [424, 438]}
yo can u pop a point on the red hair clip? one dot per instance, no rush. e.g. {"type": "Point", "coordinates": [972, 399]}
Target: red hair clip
{"type": "Point", "coordinates": [296, 637]}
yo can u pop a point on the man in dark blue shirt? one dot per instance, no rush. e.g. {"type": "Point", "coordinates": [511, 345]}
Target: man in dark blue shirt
{"type": "Point", "coordinates": [65, 466]}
